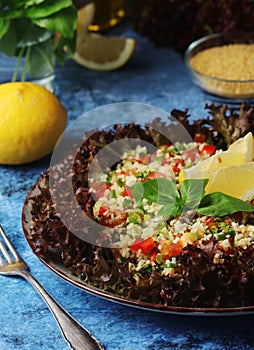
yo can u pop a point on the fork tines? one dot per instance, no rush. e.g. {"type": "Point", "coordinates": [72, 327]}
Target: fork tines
{"type": "Point", "coordinates": [4, 249]}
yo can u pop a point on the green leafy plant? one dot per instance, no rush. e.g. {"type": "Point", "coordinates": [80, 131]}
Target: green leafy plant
{"type": "Point", "coordinates": [25, 25]}
{"type": "Point", "coordinates": [189, 196]}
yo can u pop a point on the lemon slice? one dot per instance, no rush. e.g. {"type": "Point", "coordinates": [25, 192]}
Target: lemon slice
{"type": "Point", "coordinates": [98, 52]}
{"type": "Point", "coordinates": [85, 17]}
{"type": "Point", "coordinates": [244, 145]}
{"type": "Point", "coordinates": [236, 181]}
{"type": "Point", "coordinates": [102, 53]}
{"type": "Point", "coordinates": [240, 152]}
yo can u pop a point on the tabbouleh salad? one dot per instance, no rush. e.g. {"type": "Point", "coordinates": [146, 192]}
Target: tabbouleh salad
{"type": "Point", "coordinates": [185, 258]}
{"type": "Point", "coordinates": [148, 239]}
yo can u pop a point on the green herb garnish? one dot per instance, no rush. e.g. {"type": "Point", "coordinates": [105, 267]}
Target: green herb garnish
{"type": "Point", "coordinates": [189, 196]}
{"type": "Point", "coordinates": [220, 204]}
{"type": "Point", "coordinates": [27, 23]}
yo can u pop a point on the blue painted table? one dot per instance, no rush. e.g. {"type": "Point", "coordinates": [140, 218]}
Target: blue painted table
{"type": "Point", "coordinates": [155, 76]}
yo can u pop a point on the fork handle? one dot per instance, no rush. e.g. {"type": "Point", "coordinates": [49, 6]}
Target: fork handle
{"type": "Point", "coordinates": [77, 337]}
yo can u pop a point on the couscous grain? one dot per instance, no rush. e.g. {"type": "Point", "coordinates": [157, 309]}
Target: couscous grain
{"type": "Point", "coordinates": [230, 67]}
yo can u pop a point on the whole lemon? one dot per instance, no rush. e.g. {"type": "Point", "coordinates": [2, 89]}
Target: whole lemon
{"type": "Point", "coordinates": [31, 121]}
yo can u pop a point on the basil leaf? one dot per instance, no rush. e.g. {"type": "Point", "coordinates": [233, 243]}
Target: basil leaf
{"type": "Point", "coordinates": [11, 14]}
{"type": "Point", "coordinates": [8, 42]}
{"type": "Point", "coordinates": [4, 26]}
{"type": "Point", "coordinates": [28, 34]}
{"type": "Point", "coordinates": [138, 192]}
{"type": "Point", "coordinates": [63, 22]}
{"type": "Point", "coordinates": [160, 190]}
{"type": "Point", "coordinates": [23, 23]}
{"type": "Point", "coordinates": [220, 204]}
{"type": "Point", "coordinates": [47, 8]}
{"type": "Point", "coordinates": [33, 2]}
{"type": "Point", "coordinates": [172, 210]}
{"type": "Point", "coordinates": [14, 4]}
{"type": "Point", "coordinates": [28, 3]}
{"type": "Point", "coordinates": [167, 191]}
{"type": "Point", "coordinates": [192, 191]}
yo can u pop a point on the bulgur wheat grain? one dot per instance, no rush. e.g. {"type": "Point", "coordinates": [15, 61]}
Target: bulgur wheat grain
{"type": "Point", "coordinates": [233, 63]}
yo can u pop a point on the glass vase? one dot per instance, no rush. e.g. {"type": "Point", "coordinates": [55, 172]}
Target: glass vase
{"type": "Point", "coordinates": [34, 62]}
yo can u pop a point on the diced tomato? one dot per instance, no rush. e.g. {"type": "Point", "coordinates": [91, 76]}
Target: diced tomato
{"type": "Point", "coordinates": [168, 160]}
{"type": "Point", "coordinates": [209, 221]}
{"type": "Point", "coordinates": [127, 192]}
{"type": "Point", "coordinates": [103, 209]}
{"type": "Point", "coordinates": [177, 166]}
{"type": "Point", "coordinates": [169, 249]}
{"type": "Point", "coordinates": [228, 222]}
{"type": "Point", "coordinates": [136, 245]}
{"type": "Point", "coordinates": [126, 172]}
{"type": "Point", "coordinates": [146, 246]}
{"type": "Point", "coordinates": [145, 159]}
{"type": "Point", "coordinates": [176, 169]}
{"type": "Point", "coordinates": [208, 149]}
{"type": "Point", "coordinates": [124, 193]}
{"type": "Point", "coordinates": [99, 188]}
{"type": "Point", "coordinates": [190, 155]}
{"type": "Point", "coordinates": [153, 255]}
{"type": "Point", "coordinates": [155, 175]}
{"type": "Point", "coordinates": [200, 138]}
{"type": "Point", "coordinates": [122, 172]}
{"type": "Point", "coordinates": [165, 160]}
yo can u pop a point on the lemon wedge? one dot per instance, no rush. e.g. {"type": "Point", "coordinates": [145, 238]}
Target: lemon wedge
{"type": "Point", "coordinates": [245, 146]}
{"type": "Point", "coordinates": [103, 53]}
{"type": "Point", "coordinates": [98, 52]}
{"type": "Point", "coordinates": [236, 181]}
{"type": "Point", "coordinates": [85, 17]}
{"type": "Point", "coordinates": [240, 152]}
{"type": "Point", "coordinates": [230, 172]}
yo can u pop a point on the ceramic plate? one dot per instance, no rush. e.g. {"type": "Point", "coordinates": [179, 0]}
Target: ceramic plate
{"type": "Point", "coordinates": [53, 261]}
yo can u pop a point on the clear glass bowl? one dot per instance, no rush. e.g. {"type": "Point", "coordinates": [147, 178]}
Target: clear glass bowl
{"type": "Point", "coordinates": [227, 88]}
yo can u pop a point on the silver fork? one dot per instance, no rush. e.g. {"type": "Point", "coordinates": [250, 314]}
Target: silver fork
{"type": "Point", "coordinates": [76, 336]}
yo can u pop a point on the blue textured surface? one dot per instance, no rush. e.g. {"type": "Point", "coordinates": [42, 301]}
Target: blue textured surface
{"type": "Point", "coordinates": [154, 76]}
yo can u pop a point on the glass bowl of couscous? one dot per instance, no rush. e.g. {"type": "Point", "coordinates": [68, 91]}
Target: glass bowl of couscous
{"type": "Point", "coordinates": [223, 64]}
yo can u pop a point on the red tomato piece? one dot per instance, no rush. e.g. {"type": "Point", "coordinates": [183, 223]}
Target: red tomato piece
{"type": "Point", "coordinates": [146, 246]}
{"type": "Point", "coordinates": [228, 222]}
{"type": "Point", "coordinates": [190, 155]}
{"type": "Point", "coordinates": [145, 159]}
{"type": "Point", "coordinates": [103, 209]}
{"type": "Point", "coordinates": [136, 245]}
{"type": "Point", "coordinates": [154, 255]}
{"type": "Point", "coordinates": [165, 160]}
{"type": "Point", "coordinates": [169, 249]}
{"type": "Point", "coordinates": [155, 175]}
{"type": "Point", "coordinates": [208, 149]}
{"type": "Point", "coordinates": [209, 221]}
{"type": "Point", "coordinates": [99, 188]}
{"type": "Point", "coordinates": [122, 172]}
{"type": "Point", "coordinates": [177, 165]}
{"type": "Point", "coordinates": [127, 192]}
